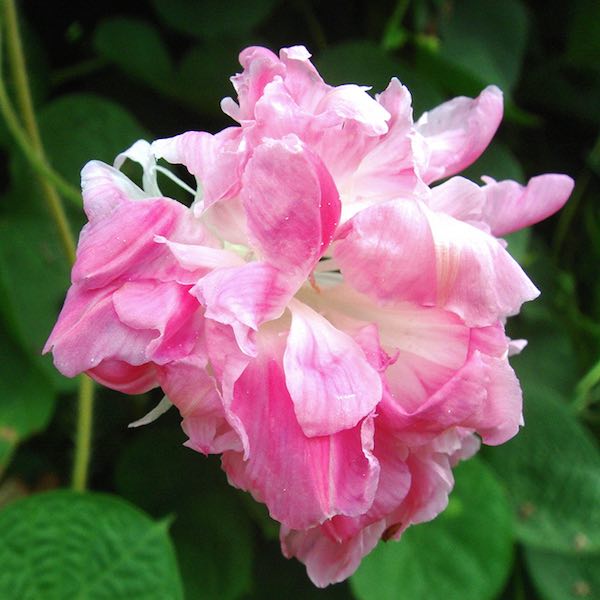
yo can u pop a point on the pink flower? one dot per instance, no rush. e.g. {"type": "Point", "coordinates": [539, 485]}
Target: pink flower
{"type": "Point", "coordinates": [321, 316]}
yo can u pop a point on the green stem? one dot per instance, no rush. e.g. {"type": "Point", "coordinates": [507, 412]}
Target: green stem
{"type": "Point", "coordinates": [34, 151]}
{"type": "Point", "coordinates": [583, 396]}
{"type": "Point", "coordinates": [83, 440]}
{"type": "Point", "coordinates": [19, 73]}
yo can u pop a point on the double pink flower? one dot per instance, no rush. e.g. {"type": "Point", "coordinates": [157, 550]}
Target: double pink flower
{"type": "Point", "coordinates": [320, 316]}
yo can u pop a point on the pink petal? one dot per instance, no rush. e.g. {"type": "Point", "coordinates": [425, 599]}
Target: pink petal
{"type": "Point", "coordinates": [458, 131]}
{"type": "Point", "coordinates": [166, 308]}
{"type": "Point", "coordinates": [260, 67]}
{"type": "Point", "coordinates": [431, 482]}
{"type": "Point", "coordinates": [351, 102]}
{"type": "Point", "coordinates": [188, 386]}
{"type": "Point", "coordinates": [88, 331]}
{"type": "Point", "coordinates": [459, 198]}
{"type": "Point", "coordinates": [123, 242]}
{"type": "Point", "coordinates": [291, 203]}
{"type": "Point", "coordinates": [216, 160]}
{"type": "Point", "coordinates": [328, 561]}
{"type": "Point", "coordinates": [387, 170]}
{"type": "Point", "coordinates": [327, 374]}
{"type": "Point", "coordinates": [123, 377]}
{"type": "Point", "coordinates": [104, 189]}
{"type": "Point", "coordinates": [302, 480]}
{"type": "Point", "coordinates": [250, 294]}
{"type": "Point", "coordinates": [445, 262]}
{"type": "Point", "coordinates": [510, 206]}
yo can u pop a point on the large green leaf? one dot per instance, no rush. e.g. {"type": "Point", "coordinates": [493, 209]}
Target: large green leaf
{"type": "Point", "coordinates": [80, 127]}
{"type": "Point", "coordinates": [564, 577]}
{"type": "Point", "coordinates": [552, 472]}
{"type": "Point", "coordinates": [136, 47]}
{"type": "Point", "coordinates": [33, 280]}
{"type": "Point", "coordinates": [487, 39]}
{"type": "Point", "coordinates": [464, 554]}
{"type": "Point", "coordinates": [212, 532]}
{"type": "Point", "coordinates": [26, 399]}
{"type": "Point", "coordinates": [212, 19]}
{"type": "Point", "coordinates": [64, 544]}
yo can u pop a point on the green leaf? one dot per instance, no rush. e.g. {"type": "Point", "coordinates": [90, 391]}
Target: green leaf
{"type": "Point", "coordinates": [136, 47]}
{"type": "Point", "coordinates": [212, 19]}
{"type": "Point", "coordinates": [364, 63]}
{"type": "Point", "coordinates": [29, 246]}
{"type": "Point", "coordinates": [77, 128]}
{"type": "Point", "coordinates": [68, 545]}
{"type": "Point", "coordinates": [564, 577]}
{"type": "Point", "coordinates": [26, 399]}
{"type": "Point", "coordinates": [212, 532]}
{"type": "Point", "coordinates": [552, 472]}
{"type": "Point", "coordinates": [486, 38]}
{"type": "Point", "coordinates": [464, 554]}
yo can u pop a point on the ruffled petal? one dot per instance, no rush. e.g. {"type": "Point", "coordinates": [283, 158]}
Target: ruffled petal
{"type": "Point", "coordinates": [328, 376]}
{"type": "Point", "coordinates": [104, 189]}
{"type": "Point", "coordinates": [328, 561]}
{"type": "Point", "coordinates": [303, 481]}
{"type": "Point", "coordinates": [217, 161]}
{"type": "Point", "coordinates": [443, 262]}
{"type": "Point", "coordinates": [250, 294]}
{"type": "Point", "coordinates": [88, 331]}
{"type": "Point", "coordinates": [193, 391]}
{"type": "Point", "coordinates": [458, 131]}
{"type": "Point", "coordinates": [510, 206]}
{"type": "Point", "coordinates": [166, 308]}
{"type": "Point", "coordinates": [291, 203]}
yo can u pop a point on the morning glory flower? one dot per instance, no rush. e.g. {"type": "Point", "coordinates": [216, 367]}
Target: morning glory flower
{"type": "Point", "coordinates": [322, 315]}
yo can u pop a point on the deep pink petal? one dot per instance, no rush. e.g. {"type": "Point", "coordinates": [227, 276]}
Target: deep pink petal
{"type": "Point", "coordinates": [302, 480]}
{"type": "Point", "coordinates": [328, 376]}
{"type": "Point", "coordinates": [291, 203]}
{"type": "Point", "coordinates": [166, 308]}
{"type": "Point", "coordinates": [458, 131]}
{"type": "Point", "coordinates": [123, 377]}
{"type": "Point", "coordinates": [510, 206]}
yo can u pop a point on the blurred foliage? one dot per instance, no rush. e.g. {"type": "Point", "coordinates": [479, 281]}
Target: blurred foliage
{"type": "Point", "coordinates": [524, 519]}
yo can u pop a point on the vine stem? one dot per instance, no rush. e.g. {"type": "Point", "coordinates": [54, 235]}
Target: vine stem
{"type": "Point", "coordinates": [31, 144]}
{"type": "Point", "coordinates": [83, 439]}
